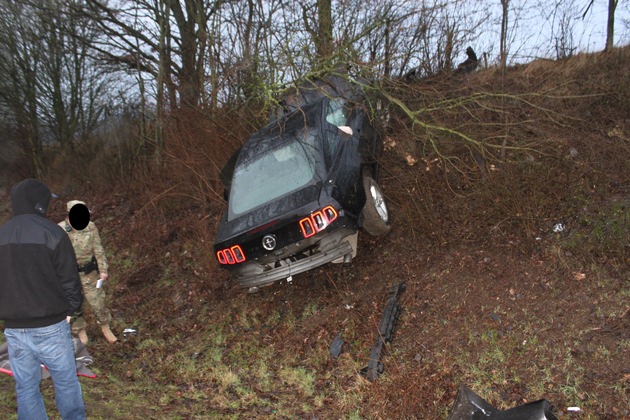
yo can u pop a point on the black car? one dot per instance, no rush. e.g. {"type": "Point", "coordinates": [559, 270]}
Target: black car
{"type": "Point", "coordinates": [301, 188]}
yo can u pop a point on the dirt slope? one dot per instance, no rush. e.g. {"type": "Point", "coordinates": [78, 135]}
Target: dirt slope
{"type": "Point", "coordinates": [512, 242]}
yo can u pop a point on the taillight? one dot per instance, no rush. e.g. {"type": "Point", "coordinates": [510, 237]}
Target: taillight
{"type": "Point", "coordinates": [318, 221]}
{"type": "Point", "coordinates": [231, 255]}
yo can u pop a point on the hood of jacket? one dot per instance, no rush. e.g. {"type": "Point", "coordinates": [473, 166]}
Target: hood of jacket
{"type": "Point", "coordinates": [30, 196]}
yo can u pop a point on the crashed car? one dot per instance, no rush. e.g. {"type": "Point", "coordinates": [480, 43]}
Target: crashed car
{"type": "Point", "coordinates": [300, 189]}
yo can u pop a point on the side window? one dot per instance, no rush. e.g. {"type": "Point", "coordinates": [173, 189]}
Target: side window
{"type": "Point", "coordinates": [338, 114]}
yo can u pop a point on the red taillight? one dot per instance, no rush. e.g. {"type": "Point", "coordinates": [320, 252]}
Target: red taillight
{"type": "Point", "coordinates": [318, 221]}
{"type": "Point", "coordinates": [330, 213]}
{"type": "Point", "coordinates": [231, 255]}
{"type": "Point", "coordinates": [307, 227]}
{"type": "Point", "coordinates": [238, 253]}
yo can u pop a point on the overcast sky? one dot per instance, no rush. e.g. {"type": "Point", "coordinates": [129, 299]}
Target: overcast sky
{"type": "Point", "coordinates": [536, 24]}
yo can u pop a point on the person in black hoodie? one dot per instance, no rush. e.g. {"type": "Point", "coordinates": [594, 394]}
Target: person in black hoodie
{"type": "Point", "coordinates": [40, 290]}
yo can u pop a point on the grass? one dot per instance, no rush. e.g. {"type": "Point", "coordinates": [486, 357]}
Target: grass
{"type": "Point", "coordinates": [239, 363]}
{"type": "Point", "coordinates": [234, 375]}
{"type": "Point", "coordinates": [604, 232]}
{"type": "Point", "coordinates": [298, 379]}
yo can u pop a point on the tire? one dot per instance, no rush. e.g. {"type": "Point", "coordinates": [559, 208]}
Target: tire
{"type": "Point", "coordinates": [375, 213]}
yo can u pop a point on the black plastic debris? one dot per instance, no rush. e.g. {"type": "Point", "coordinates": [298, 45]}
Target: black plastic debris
{"type": "Point", "coordinates": [385, 333]}
{"type": "Point", "coordinates": [336, 345]}
{"type": "Point", "coordinates": [470, 406]}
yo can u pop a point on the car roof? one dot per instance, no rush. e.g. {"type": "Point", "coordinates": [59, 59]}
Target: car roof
{"type": "Point", "coordinates": [338, 83]}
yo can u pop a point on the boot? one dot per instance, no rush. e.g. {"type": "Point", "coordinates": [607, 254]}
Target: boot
{"type": "Point", "coordinates": [108, 334]}
{"type": "Point", "coordinates": [83, 337]}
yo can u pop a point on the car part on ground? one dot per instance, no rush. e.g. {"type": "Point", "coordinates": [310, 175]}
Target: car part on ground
{"type": "Point", "coordinates": [336, 345]}
{"type": "Point", "coordinates": [470, 406]}
{"type": "Point", "coordinates": [385, 333]}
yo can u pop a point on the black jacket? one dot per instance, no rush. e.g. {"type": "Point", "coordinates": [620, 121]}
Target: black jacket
{"type": "Point", "coordinates": [39, 281]}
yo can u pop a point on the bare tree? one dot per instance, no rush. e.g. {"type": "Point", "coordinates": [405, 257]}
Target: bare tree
{"type": "Point", "coordinates": [504, 33]}
{"type": "Point", "coordinates": [429, 38]}
{"type": "Point", "coordinates": [247, 66]}
{"type": "Point", "coordinates": [19, 66]}
{"type": "Point", "coordinates": [319, 24]}
{"type": "Point", "coordinates": [49, 85]}
{"type": "Point", "coordinates": [610, 23]}
{"type": "Point", "coordinates": [324, 38]}
{"type": "Point", "coordinates": [170, 36]}
{"type": "Point", "coordinates": [560, 17]}
{"type": "Point", "coordinates": [70, 85]}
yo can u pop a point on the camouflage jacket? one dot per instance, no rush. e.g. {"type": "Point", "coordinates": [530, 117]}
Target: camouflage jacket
{"type": "Point", "coordinates": [87, 243]}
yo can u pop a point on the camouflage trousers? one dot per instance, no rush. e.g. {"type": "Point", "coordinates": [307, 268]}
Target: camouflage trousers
{"type": "Point", "coordinates": [96, 299]}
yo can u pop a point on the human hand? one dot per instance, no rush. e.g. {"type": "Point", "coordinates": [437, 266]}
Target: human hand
{"type": "Point", "coordinates": [100, 282]}
{"type": "Point", "coordinates": [68, 318]}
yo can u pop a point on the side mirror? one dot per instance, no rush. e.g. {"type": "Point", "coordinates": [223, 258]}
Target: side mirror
{"type": "Point", "coordinates": [346, 129]}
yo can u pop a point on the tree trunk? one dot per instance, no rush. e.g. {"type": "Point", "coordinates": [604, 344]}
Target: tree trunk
{"type": "Point", "coordinates": [610, 27]}
{"type": "Point", "coordinates": [324, 31]}
{"type": "Point", "coordinates": [504, 28]}
{"type": "Point", "coordinates": [388, 50]}
{"type": "Point", "coordinates": [189, 88]}
{"type": "Point", "coordinates": [163, 74]}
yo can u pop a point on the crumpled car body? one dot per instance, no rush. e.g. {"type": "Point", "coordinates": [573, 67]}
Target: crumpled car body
{"type": "Point", "coordinates": [296, 190]}
{"type": "Point", "coordinates": [470, 406]}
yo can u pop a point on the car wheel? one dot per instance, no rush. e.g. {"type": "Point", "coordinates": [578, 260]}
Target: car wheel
{"type": "Point", "coordinates": [375, 214]}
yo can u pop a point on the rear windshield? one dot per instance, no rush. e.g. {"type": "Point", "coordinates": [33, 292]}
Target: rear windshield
{"type": "Point", "coordinates": [273, 174]}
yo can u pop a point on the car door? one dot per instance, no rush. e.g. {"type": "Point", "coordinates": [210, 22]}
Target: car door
{"type": "Point", "coordinates": [342, 154]}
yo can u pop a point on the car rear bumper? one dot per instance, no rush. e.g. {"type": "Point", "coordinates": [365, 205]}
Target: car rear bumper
{"type": "Point", "coordinates": [333, 247]}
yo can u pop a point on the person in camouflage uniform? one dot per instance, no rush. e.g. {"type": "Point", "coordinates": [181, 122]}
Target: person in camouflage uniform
{"type": "Point", "coordinates": [93, 266]}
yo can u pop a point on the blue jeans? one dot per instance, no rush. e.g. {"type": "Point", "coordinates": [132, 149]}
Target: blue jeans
{"type": "Point", "coordinates": [51, 346]}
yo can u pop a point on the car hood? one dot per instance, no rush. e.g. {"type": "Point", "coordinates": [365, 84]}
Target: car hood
{"type": "Point", "coordinates": [281, 211]}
